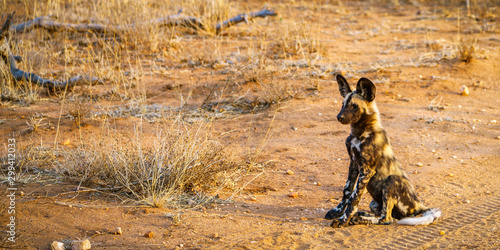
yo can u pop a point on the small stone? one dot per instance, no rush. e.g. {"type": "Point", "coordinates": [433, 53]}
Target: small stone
{"type": "Point", "coordinates": [493, 121]}
{"type": "Point", "coordinates": [149, 234]}
{"type": "Point", "coordinates": [464, 90]}
{"type": "Point", "coordinates": [420, 164]}
{"type": "Point", "coordinates": [66, 142]}
{"type": "Point", "coordinates": [293, 195]}
{"type": "Point", "coordinates": [56, 245]}
{"type": "Point", "coordinates": [318, 184]}
{"type": "Point", "coordinates": [253, 199]}
{"type": "Point", "coordinates": [81, 245]}
{"type": "Point", "coordinates": [441, 232]}
{"type": "Point", "coordinates": [451, 175]}
{"type": "Point", "coordinates": [118, 230]}
{"type": "Point", "coordinates": [290, 172]}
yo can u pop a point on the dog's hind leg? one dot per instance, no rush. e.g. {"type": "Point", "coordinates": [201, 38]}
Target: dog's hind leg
{"type": "Point", "coordinates": [392, 187]}
{"type": "Point", "coordinates": [399, 199]}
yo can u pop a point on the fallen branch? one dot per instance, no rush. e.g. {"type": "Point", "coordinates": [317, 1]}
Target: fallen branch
{"type": "Point", "coordinates": [20, 75]}
{"type": "Point", "coordinates": [243, 18]}
{"type": "Point", "coordinates": [46, 22]}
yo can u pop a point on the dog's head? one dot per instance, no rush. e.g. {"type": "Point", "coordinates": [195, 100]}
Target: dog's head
{"type": "Point", "coordinates": [356, 103]}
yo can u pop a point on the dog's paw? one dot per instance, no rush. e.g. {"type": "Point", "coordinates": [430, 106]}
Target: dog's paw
{"type": "Point", "coordinates": [334, 213]}
{"type": "Point", "coordinates": [340, 222]}
{"type": "Point", "coordinates": [385, 221]}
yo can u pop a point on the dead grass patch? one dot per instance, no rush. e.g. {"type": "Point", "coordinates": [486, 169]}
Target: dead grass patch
{"type": "Point", "coordinates": [467, 48]}
{"type": "Point", "coordinates": [177, 161]}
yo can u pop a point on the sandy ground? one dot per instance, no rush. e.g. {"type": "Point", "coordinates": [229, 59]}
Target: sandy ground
{"type": "Point", "coordinates": [458, 148]}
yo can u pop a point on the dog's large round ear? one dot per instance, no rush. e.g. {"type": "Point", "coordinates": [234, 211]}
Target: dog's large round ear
{"type": "Point", "coordinates": [344, 87]}
{"type": "Point", "coordinates": [366, 89]}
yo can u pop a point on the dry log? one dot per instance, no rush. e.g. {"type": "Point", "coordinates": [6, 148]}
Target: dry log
{"type": "Point", "coordinates": [46, 22]}
{"type": "Point", "coordinates": [243, 18]}
{"type": "Point", "coordinates": [20, 75]}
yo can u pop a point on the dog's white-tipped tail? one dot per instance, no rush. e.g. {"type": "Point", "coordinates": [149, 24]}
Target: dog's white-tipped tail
{"type": "Point", "coordinates": [427, 218]}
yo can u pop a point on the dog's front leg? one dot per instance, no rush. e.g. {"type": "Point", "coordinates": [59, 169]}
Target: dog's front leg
{"type": "Point", "coordinates": [348, 188]}
{"type": "Point", "coordinates": [352, 203]}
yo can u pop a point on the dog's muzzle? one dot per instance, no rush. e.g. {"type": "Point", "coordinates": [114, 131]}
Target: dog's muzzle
{"type": "Point", "coordinates": [340, 118]}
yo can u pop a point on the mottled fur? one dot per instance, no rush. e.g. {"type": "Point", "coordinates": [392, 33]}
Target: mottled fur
{"type": "Point", "coordinates": [373, 166]}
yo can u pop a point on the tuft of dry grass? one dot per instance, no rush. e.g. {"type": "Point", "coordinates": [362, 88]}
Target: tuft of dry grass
{"type": "Point", "coordinates": [294, 38]}
{"type": "Point", "coordinates": [467, 48]}
{"type": "Point", "coordinates": [34, 122]}
{"type": "Point", "coordinates": [33, 163]}
{"type": "Point", "coordinates": [179, 162]}
{"type": "Point", "coordinates": [78, 109]}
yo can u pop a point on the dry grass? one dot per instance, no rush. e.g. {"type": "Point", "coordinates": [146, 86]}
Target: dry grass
{"type": "Point", "coordinates": [297, 39]}
{"type": "Point", "coordinates": [178, 161]}
{"type": "Point", "coordinates": [78, 108]}
{"type": "Point", "coordinates": [467, 48]}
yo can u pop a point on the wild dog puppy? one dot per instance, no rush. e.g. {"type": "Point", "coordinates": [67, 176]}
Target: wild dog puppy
{"type": "Point", "coordinates": [373, 167]}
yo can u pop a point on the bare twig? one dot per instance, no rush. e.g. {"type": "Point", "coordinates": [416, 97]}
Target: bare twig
{"type": "Point", "coordinates": [243, 18]}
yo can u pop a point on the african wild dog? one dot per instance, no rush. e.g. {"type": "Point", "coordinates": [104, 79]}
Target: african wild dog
{"type": "Point", "coordinates": [373, 167]}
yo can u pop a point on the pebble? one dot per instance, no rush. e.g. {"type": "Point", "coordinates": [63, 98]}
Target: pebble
{"type": "Point", "coordinates": [290, 172]}
{"type": "Point", "coordinates": [149, 234]}
{"type": "Point", "coordinates": [118, 230]}
{"type": "Point", "coordinates": [493, 121]}
{"type": "Point", "coordinates": [56, 245]}
{"type": "Point", "coordinates": [441, 232]}
{"type": "Point", "coordinates": [81, 245]}
{"type": "Point", "coordinates": [420, 164]}
{"type": "Point", "coordinates": [464, 90]}
{"type": "Point", "coordinates": [293, 195]}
